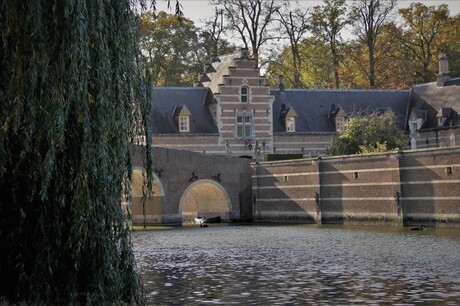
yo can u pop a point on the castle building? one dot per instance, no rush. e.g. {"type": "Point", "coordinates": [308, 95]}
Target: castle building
{"type": "Point", "coordinates": [233, 112]}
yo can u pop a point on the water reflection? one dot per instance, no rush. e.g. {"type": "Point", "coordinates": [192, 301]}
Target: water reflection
{"type": "Point", "coordinates": [281, 265]}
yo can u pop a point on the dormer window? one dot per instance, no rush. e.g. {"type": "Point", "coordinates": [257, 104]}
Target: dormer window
{"type": "Point", "coordinates": [413, 127]}
{"type": "Point", "coordinates": [244, 94]}
{"type": "Point", "coordinates": [182, 115]}
{"type": "Point", "coordinates": [289, 117]}
{"type": "Point", "coordinates": [340, 124]}
{"type": "Point", "coordinates": [184, 123]}
{"type": "Point", "coordinates": [290, 124]}
{"type": "Point", "coordinates": [340, 120]}
{"type": "Point", "coordinates": [444, 115]}
{"type": "Point", "coordinates": [416, 120]}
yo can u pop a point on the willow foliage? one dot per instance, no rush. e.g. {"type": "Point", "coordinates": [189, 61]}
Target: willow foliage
{"type": "Point", "coordinates": [72, 99]}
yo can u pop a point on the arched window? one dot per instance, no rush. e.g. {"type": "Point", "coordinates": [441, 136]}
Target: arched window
{"type": "Point", "coordinates": [244, 94]}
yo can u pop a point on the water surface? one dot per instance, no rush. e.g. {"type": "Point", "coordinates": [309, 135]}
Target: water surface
{"type": "Point", "coordinates": [307, 264]}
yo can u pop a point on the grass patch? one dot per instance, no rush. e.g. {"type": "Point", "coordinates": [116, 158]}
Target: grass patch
{"type": "Point", "coordinates": [150, 227]}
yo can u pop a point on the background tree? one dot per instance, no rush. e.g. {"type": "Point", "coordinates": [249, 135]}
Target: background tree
{"type": "Point", "coordinates": [452, 48]}
{"type": "Point", "coordinates": [294, 25]}
{"type": "Point", "coordinates": [171, 45]}
{"type": "Point", "coordinates": [328, 21]}
{"type": "Point", "coordinates": [211, 36]}
{"type": "Point", "coordinates": [370, 16]}
{"type": "Point", "coordinates": [427, 31]}
{"type": "Point", "coordinates": [251, 19]}
{"type": "Point", "coordinates": [374, 133]}
{"type": "Point", "coordinates": [316, 66]}
{"type": "Point", "coordinates": [393, 64]}
{"type": "Point", "coordinates": [72, 100]}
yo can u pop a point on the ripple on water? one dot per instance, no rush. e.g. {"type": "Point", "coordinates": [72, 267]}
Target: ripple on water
{"type": "Point", "coordinates": [297, 265]}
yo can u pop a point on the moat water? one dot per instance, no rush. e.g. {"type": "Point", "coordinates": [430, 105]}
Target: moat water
{"type": "Point", "coordinates": [301, 265]}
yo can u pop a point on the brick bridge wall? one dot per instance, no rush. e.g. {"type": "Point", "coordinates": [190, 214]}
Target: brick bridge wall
{"type": "Point", "coordinates": [401, 188]}
{"type": "Point", "coordinates": [176, 171]}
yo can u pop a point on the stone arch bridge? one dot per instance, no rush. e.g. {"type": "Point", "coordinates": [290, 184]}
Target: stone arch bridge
{"type": "Point", "coordinates": [190, 184]}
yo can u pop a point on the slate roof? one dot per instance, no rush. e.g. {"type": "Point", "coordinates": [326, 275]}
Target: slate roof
{"type": "Point", "coordinates": [432, 99]}
{"type": "Point", "coordinates": [314, 107]}
{"type": "Point", "coordinates": [168, 101]}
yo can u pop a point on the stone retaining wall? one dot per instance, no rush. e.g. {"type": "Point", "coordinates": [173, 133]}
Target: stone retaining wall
{"type": "Point", "coordinates": [407, 187]}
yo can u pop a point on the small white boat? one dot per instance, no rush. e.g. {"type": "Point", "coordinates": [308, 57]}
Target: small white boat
{"type": "Point", "coordinates": [199, 220]}
{"type": "Point", "coordinates": [203, 220]}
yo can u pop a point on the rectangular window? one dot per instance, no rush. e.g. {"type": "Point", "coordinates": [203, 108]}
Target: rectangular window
{"type": "Point", "coordinates": [290, 124]}
{"type": "Point", "coordinates": [184, 123]}
{"type": "Point", "coordinates": [340, 124]}
{"type": "Point", "coordinates": [244, 94]}
{"type": "Point", "coordinates": [244, 126]}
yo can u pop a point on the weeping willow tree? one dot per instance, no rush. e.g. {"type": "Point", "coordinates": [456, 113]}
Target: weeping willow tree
{"type": "Point", "coordinates": [72, 101]}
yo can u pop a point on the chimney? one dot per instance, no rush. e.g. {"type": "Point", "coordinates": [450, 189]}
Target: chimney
{"type": "Point", "coordinates": [443, 64]}
{"type": "Point", "coordinates": [244, 53]}
{"type": "Point", "coordinates": [443, 75]}
{"type": "Point", "coordinates": [281, 82]}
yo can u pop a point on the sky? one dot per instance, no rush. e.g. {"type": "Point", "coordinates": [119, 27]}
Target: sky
{"type": "Point", "coordinates": [197, 10]}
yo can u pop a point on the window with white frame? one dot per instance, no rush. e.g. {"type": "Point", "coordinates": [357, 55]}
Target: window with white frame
{"type": "Point", "coordinates": [244, 94]}
{"type": "Point", "coordinates": [243, 125]}
{"type": "Point", "coordinates": [184, 123]}
{"type": "Point", "coordinates": [340, 124]}
{"type": "Point", "coordinates": [413, 127]}
{"type": "Point", "coordinates": [290, 124]}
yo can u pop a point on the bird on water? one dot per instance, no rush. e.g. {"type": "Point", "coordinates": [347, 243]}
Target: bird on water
{"type": "Point", "coordinates": [418, 228]}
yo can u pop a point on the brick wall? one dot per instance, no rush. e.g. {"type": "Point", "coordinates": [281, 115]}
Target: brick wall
{"type": "Point", "coordinates": [400, 188]}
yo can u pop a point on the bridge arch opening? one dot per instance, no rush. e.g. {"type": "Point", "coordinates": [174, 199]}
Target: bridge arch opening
{"type": "Point", "coordinates": [204, 198]}
{"type": "Point", "coordinates": [148, 211]}
{"type": "Point", "coordinates": [137, 184]}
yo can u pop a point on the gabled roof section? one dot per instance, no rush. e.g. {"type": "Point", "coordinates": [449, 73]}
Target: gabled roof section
{"type": "Point", "coordinates": [216, 71]}
{"type": "Point", "coordinates": [432, 99]}
{"type": "Point", "coordinates": [181, 111]}
{"type": "Point", "coordinates": [287, 111]}
{"type": "Point", "coordinates": [341, 113]}
{"type": "Point", "coordinates": [291, 112]}
{"type": "Point", "coordinates": [315, 107]}
{"type": "Point", "coordinates": [169, 102]}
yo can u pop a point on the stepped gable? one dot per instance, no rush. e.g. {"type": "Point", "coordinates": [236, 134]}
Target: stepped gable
{"type": "Point", "coordinates": [314, 107]}
{"type": "Point", "coordinates": [167, 100]}
{"type": "Point", "coordinates": [216, 71]}
{"type": "Point", "coordinates": [433, 99]}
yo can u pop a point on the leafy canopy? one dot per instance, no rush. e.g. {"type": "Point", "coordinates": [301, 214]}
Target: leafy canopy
{"type": "Point", "coordinates": [374, 133]}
